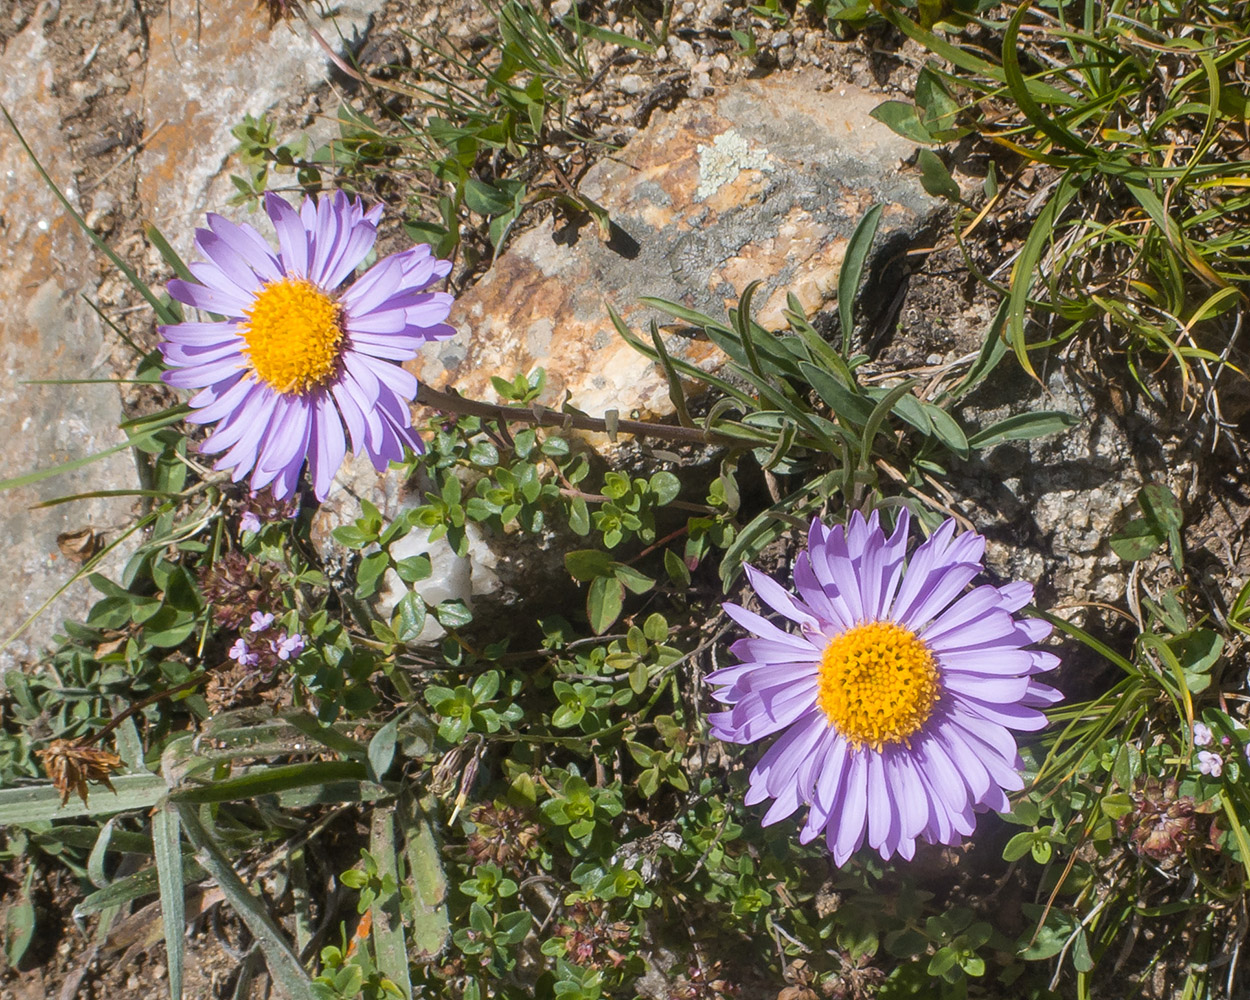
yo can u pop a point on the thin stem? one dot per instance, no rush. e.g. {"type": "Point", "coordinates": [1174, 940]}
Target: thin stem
{"type": "Point", "coordinates": [541, 416]}
{"type": "Point", "coordinates": [139, 706]}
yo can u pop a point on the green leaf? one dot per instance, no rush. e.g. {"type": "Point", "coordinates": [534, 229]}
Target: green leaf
{"type": "Point", "coordinates": [1024, 427]}
{"type": "Point", "coordinates": [666, 487]}
{"type": "Point", "coordinates": [638, 583]}
{"type": "Point", "coordinates": [1136, 540]}
{"type": "Point", "coordinates": [947, 430]}
{"type": "Point", "coordinates": [485, 199]}
{"type": "Point", "coordinates": [1161, 507]}
{"type": "Point", "coordinates": [935, 178]}
{"type": "Point", "coordinates": [588, 564]}
{"type": "Point", "coordinates": [408, 621]}
{"type": "Point", "coordinates": [852, 270]}
{"type": "Point", "coordinates": [382, 749]}
{"type": "Point", "coordinates": [676, 568]}
{"type": "Point", "coordinates": [453, 614]}
{"type": "Point", "coordinates": [939, 109]}
{"type": "Point", "coordinates": [904, 118]}
{"type": "Point", "coordinates": [604, 603]}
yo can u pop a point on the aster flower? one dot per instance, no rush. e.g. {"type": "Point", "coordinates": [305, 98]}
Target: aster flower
{"type": "Point", "coordinates": [896, 697]}
{"type": "Point", "coordinates": [297, 357]}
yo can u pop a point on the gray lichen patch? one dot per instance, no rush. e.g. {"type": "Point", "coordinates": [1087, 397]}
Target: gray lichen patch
{"type": "Point", "coordinates": [722, 162]}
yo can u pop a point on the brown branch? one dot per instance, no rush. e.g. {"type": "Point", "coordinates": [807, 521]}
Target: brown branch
{"type": "Point", "coordinates": [542, 416]}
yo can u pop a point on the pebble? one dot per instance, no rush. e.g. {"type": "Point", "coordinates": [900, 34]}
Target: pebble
{"type": "Point", "coordinates": [560, 7]}
{"type": "Point", "coordinates": [780, 39]}
{"type": "Point", "coordinates": [785, 56]}
{"type": "Point", "coordinates": [681, 51]}
{"type": "Point", "coordinates": [720, 61]}
{"type": "Point", "coordinates": [632, 83]}
{"type": "Point", "coordinates": [81, 90]}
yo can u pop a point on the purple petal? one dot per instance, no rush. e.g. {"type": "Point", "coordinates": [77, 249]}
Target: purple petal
{"type": "Point", "coordinates": [776, 597]}
{"type": "Point", "coordinates": [292, 235]}
{"type": "Point", "coordinates": [201, 334]}
{"type": "Point", "coordinates": [223, 303]}
{"type": "Point", "coordinates": [248, 244]}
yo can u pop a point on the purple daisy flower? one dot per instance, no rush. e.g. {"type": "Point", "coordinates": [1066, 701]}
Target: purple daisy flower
{"type": "Point", "coordinates": [296, 360]}
{"type": "Point", "coordinates": [895, 698]}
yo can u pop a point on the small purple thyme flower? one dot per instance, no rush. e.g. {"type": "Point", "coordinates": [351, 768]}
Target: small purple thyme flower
{"type": "Point", "coordinates": [1210, 763]}
{"type": "Point", "coordinates": [261, 620]}
{"type": "Point", "coordinates": [288, 646]}
{"type": "Point", "coordinates": [248, 521]}
{"type": "Point", "coordinates": [242, 655]}
{"type": "Point", "coordinates": [1202, 734]}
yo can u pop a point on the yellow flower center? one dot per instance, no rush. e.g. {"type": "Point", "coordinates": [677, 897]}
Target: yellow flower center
{"type": "Point", "coordinates": [878, 684]}
{"type": "Point", "coordinates": [293, 335]}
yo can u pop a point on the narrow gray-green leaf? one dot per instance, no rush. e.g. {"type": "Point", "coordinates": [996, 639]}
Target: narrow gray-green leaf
{"type": "Point", "coordinates": [427, 917]}
{"type": "Point", "coordinates": [1023, 427]}
{"type": "Point", "coordinates": [167, 851]}
{"type": "Point", "coordinates": [39, 803]}
{"type": "Point", "coordinates": [389, 947]}
{"type": "Point", "coordinates": [852, 271]}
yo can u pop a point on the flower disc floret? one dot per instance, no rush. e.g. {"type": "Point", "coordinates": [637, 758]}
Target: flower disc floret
{"type": "Point", "coordinates": [293, 336]}
{"type": "Point", "coordinates": [878, 684]}
{"type": "Point", "coordinates": [893, 696]}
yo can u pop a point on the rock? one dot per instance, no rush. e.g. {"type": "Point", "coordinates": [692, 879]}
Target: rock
{"type": "Point", "coordinates": [767, 180]}
{"type": "Point", "coordinates": [681, 51]}
{"type": "Point", "coordinates": [208, 65]}
{"type": "Point", "coordinates": [47, 331]}
{"type": "Point", "coordinates": [785, 56]}
{"type": "Point", "coordinates": [203, 76]}
{"type": "Point", "coordinates": [632, 83]}
{"type": "Point", "coordinates": [1048, 505]}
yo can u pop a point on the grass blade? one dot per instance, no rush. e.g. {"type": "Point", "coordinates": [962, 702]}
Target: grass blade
{"type": "Point", "coordinates": [1024, 269]}
{"type": "Point", "coordinates": [167, 851]}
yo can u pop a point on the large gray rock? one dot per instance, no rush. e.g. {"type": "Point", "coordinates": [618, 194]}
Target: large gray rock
{"type": "Point", "coordinates": [47, 332]}
{"type": "Point", "coordinates": [765, 180]}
